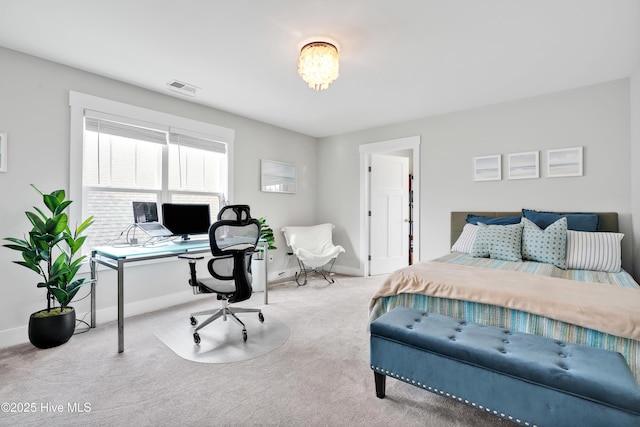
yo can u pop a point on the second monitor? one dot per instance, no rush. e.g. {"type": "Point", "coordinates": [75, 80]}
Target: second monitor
{"type": "Point", "coordinates": [184, 219]}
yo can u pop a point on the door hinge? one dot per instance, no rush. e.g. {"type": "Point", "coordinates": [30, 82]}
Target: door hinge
{"type": "Point", "coordinates": [369, 213]}
{"type": "Point", "coordinates": [369, 168]}
{"type": "Point", "coordinates": [369, 257]}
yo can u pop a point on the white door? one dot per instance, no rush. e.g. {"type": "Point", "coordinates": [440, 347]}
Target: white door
{"type": "Point", "coordinates": [389, 220]}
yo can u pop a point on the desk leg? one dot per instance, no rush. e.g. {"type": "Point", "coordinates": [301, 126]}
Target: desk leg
{"type": "Point", "coordinates": [266, 274]}
{"type": "Point", "coordinates": [94, 277]}
{"type": "Point", "coordinates": [120, 306]}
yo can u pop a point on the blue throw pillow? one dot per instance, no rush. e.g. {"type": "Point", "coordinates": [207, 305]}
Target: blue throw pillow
{"type": "Point", "coordinates": [575, 221]}
{"type": "Point", "coordinates": [498, 242]}
{"type": "Point", "coordinates": [548, 245]}
{"type": "Point", "coordinates": [491, 220]}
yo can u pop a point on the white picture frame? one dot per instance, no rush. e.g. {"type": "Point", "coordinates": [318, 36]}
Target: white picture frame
{"type": "Point", "coordinates": [3, 152]}
{"type": "Point", "coordinates": [524, 165]}
{"type": "Point", "coordinates": [278, 177]}
{"type": "Point", "coordinates": [565, 162]}
{"type": "Point", "coordinates": [487, 168]}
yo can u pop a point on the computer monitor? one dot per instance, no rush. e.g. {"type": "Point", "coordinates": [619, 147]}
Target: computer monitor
{"type": "Point", "coordinates": [184, 219]}
{"type": "Point", "coordinates": [145, 212]}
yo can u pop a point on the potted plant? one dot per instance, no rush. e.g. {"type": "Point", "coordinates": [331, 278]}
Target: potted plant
{"type": "Point", "coordinates": [266, 233]}
{"type": "Point", "coordinates": [257, 265]}
{"type": "Point", "coordinates": [49, 250]}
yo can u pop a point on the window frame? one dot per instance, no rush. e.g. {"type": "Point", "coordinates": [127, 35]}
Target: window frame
{"type": "Point", "coordinates": [79, 102]}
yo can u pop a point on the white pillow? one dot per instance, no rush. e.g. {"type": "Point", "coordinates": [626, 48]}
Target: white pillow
{"type": "Point", "coordinates": [464, 243]}
{"type": "Point", "coordinates": [594, 251]}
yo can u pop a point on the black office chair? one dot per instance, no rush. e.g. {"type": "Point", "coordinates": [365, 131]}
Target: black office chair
{"type": "Point", "coordinates": [233, 241]}
{"type": "Point", "coordinates": [235, 212]}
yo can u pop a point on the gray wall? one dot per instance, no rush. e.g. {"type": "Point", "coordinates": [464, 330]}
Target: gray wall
{"type": "Point", "coordinates": [35, 113]}
{"type": "Point", "coordinates": [595, 117]}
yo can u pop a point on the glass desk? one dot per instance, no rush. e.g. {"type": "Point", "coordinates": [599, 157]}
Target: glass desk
{"type": "Point", "coordinates": [116, 257]}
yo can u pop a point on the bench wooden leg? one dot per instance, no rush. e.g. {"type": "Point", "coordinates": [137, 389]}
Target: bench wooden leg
{"type": "Point", "coordinates": [380, 384]}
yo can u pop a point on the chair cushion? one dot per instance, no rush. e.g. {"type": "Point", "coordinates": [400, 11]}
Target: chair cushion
{"type": "Point", "coordinates": [218, 286]}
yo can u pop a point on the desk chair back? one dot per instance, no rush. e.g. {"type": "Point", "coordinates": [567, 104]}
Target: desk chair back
{"type": "Point", "coordinates": [235, 212]}
{"type": "Point", "coordinates": [233, 243]}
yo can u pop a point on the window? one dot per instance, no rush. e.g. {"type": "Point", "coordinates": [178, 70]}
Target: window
{"type": "Point", "coordinates": [128, 158]}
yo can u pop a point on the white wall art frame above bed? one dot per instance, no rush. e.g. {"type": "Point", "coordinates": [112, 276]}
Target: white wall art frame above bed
{"type": "Point", "coordinates": [524, 165]}
{"type": "Point", "coordinates": [564, 162]}
{"type": "Point", "coordinates": [487, 168]}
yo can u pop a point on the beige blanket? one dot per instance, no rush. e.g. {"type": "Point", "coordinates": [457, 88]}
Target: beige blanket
{"type": "Point", "coordinates": [605, 308]}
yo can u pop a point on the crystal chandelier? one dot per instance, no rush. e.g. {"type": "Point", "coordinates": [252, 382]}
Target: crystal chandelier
{"type": "Point", "coordinates": [318, 64]}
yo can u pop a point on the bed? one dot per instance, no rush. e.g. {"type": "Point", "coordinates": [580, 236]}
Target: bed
{"type": "Point", "coordinates": [581, 296]}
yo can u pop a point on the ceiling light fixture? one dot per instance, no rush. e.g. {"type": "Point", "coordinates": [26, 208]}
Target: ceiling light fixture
{"type": "Point", "coordinates": [319, 64]}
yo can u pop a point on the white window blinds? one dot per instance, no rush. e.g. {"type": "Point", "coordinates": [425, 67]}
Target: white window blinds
{"type": "Point", "coordinates": [191, 139]}
{"type": "Point", "coordinates": [127, 128]}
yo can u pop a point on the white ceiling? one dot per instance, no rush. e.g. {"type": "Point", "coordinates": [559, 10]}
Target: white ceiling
{"type": "Point", "coordinates": [400, 60]}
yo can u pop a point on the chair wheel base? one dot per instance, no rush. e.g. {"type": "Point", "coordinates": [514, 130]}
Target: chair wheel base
{"type": "Point", "coordinates": [196, 338]}
{"type": "Point", "coordinates": [194, 322]}
{"type": "Point", "coordinates": [261, 317]}
{"type": "Point", "coordinates": [244, 335]}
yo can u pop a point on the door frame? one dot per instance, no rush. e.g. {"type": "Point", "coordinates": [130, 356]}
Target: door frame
{"type": "Point", "coordinates": [409, 143]}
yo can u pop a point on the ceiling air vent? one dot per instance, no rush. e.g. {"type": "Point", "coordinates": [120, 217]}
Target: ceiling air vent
{"type": "Point", "coordinates": [182, 88]}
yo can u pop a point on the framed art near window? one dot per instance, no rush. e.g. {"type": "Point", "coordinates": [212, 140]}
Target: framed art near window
{"type": "Point", "coordinates": [278, 177]}
{"type": "Point", "coordinates": [487, 168]}
{"type": "Point", "coordinates": [3, 152]}
{"type": "Point", "coordinates": [524, 165]}
{"type": "Point", "coordinates": [564, 162]}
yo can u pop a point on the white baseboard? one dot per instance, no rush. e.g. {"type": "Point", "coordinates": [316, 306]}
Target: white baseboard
{"type": "Point", "coordinates": [109, 314]}
{"type": "Point", "coordinates": [291, 272]}
{"type": "Point", "coordinates": [15, 336]}
{"type": "Point", "coordinates": [349, 271]}
{"type": "Point", "coordinates": [20, 335]}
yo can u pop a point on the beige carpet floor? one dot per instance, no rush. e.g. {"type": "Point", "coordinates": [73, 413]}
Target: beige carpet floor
{"type": "Point", "coordinates": [319, 377]}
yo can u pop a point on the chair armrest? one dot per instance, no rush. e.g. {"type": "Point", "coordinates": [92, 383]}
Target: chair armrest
{"type": "Point", "coordinates": [194, 257]}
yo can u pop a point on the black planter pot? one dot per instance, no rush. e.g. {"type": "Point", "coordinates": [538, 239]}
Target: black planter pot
{"type": "Point", "coordinates": [51, 331]}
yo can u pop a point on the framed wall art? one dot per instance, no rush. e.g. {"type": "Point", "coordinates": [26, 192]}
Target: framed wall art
{"type": "Point", "coordinates": [564, 162]}
{"type": "Point", "coordinates": [524, 165]}
{"type": "Point", "coordinates": [277, 177]}
{"type": "Point", "coordinates": [3, 152]}
{"type": "Point", "coordinates": [487, 168]}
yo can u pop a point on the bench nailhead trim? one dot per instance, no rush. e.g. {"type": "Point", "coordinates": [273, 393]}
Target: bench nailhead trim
{"type": "Point", "coordinates": [454, 397]}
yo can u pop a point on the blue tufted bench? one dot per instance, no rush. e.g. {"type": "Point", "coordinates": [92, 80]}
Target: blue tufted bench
{"type": "Point", "coordinates": [527, 379]}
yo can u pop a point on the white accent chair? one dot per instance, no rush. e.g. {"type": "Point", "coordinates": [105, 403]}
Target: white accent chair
{"type": "Point", "coordinates": [314, 249]}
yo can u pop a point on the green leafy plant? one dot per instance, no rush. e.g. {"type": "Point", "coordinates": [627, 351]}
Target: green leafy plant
{"type": "Point", "coordinates": [266, 233]}
{"type": "Point", "coordinates": [51, 248]}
